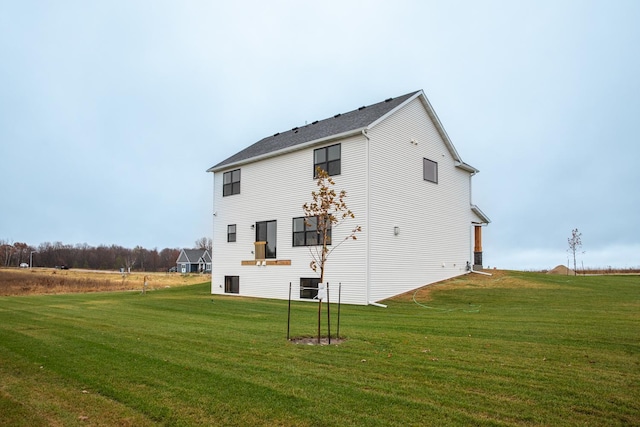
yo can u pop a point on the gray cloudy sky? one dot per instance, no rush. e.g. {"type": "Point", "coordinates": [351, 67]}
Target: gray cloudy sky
{"type": "Point", "coordinates": [111, 111]}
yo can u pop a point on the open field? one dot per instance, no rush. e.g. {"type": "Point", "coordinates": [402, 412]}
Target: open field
{"type": "Point", "coordinates": [21, 281]}
{"type": "Point", "coordinates": [513, 349]}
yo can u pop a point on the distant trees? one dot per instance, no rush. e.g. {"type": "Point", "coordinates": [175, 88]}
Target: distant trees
{"type": "Point", "coordinates": [575, 243]}
{"type": "Point", "coordinates": [13, 254]}
{"type": "Point", "coordinates": [82, 255]}
{"type": "Point", "coordinates": [204, 243]}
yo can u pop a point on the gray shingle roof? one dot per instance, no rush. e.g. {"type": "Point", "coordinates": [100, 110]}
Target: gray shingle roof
{"type": "Point", "coordinates": [336, 125]}
{"type": "Point", "coordinates": [193, 255]}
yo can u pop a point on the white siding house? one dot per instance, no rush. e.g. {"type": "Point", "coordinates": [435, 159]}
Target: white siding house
{"type": "Point", "coordinates": [406, 184]}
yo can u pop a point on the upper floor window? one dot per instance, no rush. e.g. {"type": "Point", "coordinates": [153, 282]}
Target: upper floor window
{"type": "Point", "coordinates": [231, 183]}
{"type": "Point", "coordinates": [231, 233]}
{"type": "Point", "coordinates": [327, 159]}
{"type": "Point", "coordinates": [306, 233]}
{"type": "Point", "coordinates": [429, 170]}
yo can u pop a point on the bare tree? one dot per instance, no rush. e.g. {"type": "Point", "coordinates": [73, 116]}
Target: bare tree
{"type": "Point", "coordinates": [204, 243]}
{"type": "Point", "coordinates": [575, 243]}
{"type": "Point", "coordinates": [325, 213]}
{"type": "Point", "coordinates": [7, 250]}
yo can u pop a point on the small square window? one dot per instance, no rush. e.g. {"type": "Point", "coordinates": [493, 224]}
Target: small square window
{"type": "Point", "coordinates": [327, 159]}
{"type": "Point", "coordinates": [231, 233]}
{"type": "Point", "coordinates": [429, 170]}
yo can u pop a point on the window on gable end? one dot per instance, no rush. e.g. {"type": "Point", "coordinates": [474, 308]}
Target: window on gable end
{"type": "Point", "coordinates": [327, 159]}
{"type": "Point", "coordinates": [231, 182]}
{"type": "Point", "coordinates": [429, 170]}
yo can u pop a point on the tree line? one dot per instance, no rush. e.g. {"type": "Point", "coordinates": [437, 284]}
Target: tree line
{"type": "Point", "coordinates": [82, 255]}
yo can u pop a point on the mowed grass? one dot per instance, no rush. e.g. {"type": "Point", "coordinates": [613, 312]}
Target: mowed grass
{"type": "Point", "coordinates": [511, 349]}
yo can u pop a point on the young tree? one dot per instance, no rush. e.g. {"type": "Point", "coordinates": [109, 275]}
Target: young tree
{"type": "Point", "coordinates": [325, 213]}
{"type": "Point", "coordinates": [575, 243]}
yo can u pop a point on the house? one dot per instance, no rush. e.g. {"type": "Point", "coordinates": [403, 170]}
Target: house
{"type": "Point", "coordinates": [407, 185]}
{"type": "Point", "coordinates": [194, 261]}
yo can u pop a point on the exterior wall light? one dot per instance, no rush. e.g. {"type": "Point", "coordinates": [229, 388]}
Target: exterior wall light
{"type": "Point", "coordinates": [396, 230]}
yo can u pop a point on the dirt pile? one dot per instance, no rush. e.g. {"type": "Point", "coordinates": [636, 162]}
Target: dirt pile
{"type": "Point", "coordinates": [562, 270]}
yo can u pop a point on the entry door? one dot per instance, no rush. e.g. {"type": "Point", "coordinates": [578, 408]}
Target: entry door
{"type": "Point", "coordinates": [266, 232]}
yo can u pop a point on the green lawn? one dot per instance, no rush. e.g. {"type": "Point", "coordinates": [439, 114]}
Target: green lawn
{"type": "Point", "coordinates": [512, 349]}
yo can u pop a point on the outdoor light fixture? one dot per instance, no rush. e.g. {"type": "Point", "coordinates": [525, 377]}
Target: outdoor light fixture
{"type": "Point", "coordinates": [253, 226]}
{"type": "Point", "coordinates": [396, 230]}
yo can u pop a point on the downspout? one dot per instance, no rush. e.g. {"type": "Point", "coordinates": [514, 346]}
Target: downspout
{"type": "Point", "coordinates": [479, 272]}
{"type": "Point", "coordinates": [377, 304]}
{"type": "Point", "coordinates": [213, 227]}
{"type": "Point", "coordinates": [471, 229]}
{"type": "Point", "coordinates": [368, 221]}
{"type": "Point", "coordinates": [471, 270]}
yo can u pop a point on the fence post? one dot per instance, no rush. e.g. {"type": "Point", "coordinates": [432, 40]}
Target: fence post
{"type": "Point", "coordinates": [328, 314]}
{"type": "Point", "coordinates": [289, 313]}
{"type": "Point", "coordinates": [339, 295]}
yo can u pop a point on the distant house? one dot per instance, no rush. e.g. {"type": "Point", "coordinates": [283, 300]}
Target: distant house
{"type": "Point", "coordinates": [407, 185]}
{"type": "Point", "coordinates": [194, 261]}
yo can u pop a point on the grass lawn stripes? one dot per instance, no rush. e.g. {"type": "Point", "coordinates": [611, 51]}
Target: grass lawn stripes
{"type": "Point", "coordinates": [542, 350]}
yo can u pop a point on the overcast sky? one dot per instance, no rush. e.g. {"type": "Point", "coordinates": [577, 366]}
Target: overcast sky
{"type": "Point", "coordinates": [111, 111]}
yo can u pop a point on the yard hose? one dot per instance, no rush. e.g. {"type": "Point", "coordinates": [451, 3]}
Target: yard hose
{"type": "Point", "coordinates": [471, 308]}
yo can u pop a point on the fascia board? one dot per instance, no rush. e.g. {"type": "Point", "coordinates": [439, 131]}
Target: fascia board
{"type": "Point", "coordinates": [467, 167]}
{"type": "Point", "coordinates": [476, 210]}
{"type": "Point", "coordinates": [390, 112]}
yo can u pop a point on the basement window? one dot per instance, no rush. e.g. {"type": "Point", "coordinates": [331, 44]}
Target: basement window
{"type": "Point", "coordinates": [309, 287]}
{"type": "Point", "coordinates": [231, 284]}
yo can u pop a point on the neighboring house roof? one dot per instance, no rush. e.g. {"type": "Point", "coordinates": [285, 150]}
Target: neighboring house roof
{"type": "Point", "coordinates": [338, 126]}
{"type": "Point", "coordinates": [194, 256]}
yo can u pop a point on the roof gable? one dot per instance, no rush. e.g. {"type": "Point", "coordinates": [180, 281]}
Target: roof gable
{"type": "Point", "coordinates": [193, 256]}
{"type": "Point", "coordinates": [333, 127]}
{"type": "Point", "coordinates": [338, 126]}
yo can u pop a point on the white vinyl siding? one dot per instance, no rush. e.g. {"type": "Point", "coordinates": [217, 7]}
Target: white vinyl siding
{"type": "Point", "coordinates": [432, 220]}
{"type": "Point", "coordinates": [275, 189]}
{"type": "Point", "coordinates": [384, 180]}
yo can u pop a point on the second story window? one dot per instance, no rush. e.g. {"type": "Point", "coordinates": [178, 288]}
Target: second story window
{"type": "Point", "coordinates": [429, 170]}
{"type": "Point", "coordinates": [231, 183]}
{"type": "Point", "coordinates": [327, 159]}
